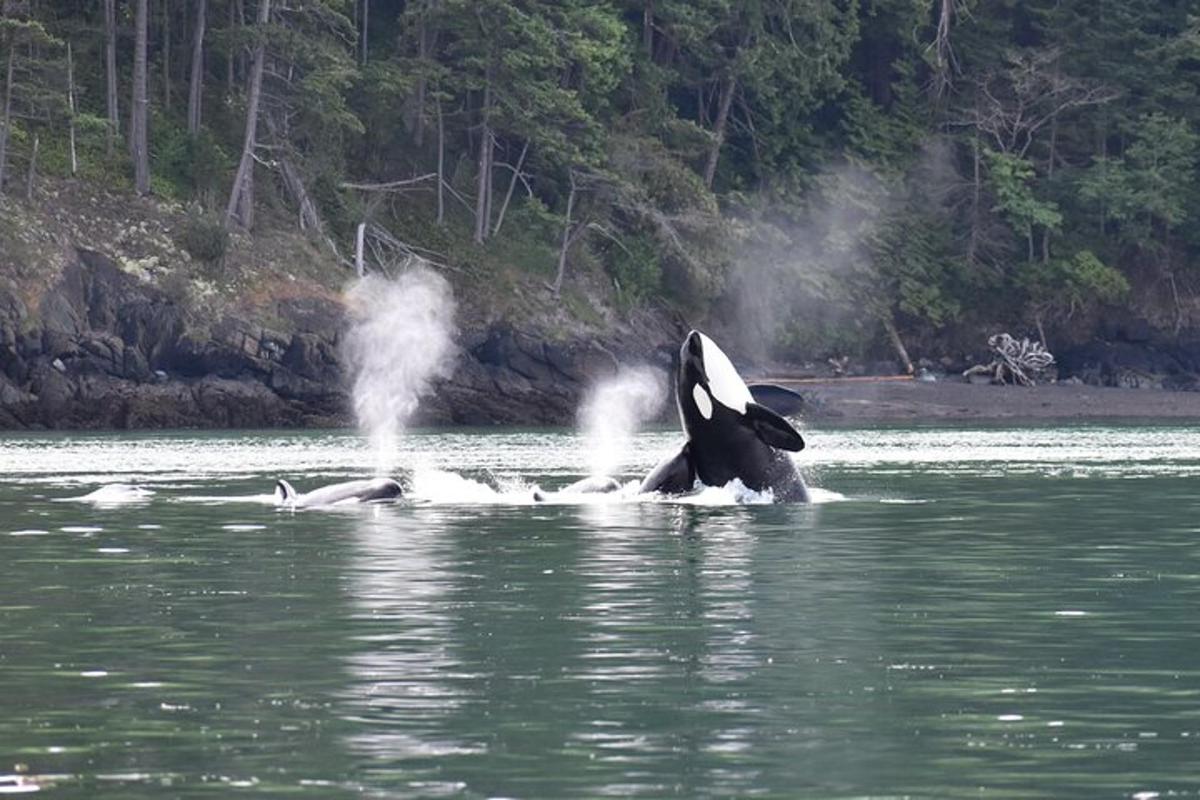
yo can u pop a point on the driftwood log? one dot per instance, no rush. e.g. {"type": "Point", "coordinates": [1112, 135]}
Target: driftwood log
{"type": "Point", "coordinates": [1014, 361]}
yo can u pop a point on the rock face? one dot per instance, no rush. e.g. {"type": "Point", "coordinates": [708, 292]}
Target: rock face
{"type": "Point", "coordinates": [1135, 360]}
{"type": "Point", "coordinates": [103, 349]}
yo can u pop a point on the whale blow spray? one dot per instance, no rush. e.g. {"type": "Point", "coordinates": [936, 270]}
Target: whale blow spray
{"type": "Point", "coordinates": [614, 409]}
{"type": "Point", "coordinates": [401, 339]}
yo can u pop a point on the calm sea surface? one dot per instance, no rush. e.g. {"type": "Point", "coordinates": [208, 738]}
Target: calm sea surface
{"type": "Point", "coordinates": [997, 612]}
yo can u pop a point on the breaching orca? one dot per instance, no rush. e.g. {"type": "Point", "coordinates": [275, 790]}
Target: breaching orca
{"type": "Point", "coordinates": [374, 490]}
{"type": "Point", "coordinates": [729, 435]}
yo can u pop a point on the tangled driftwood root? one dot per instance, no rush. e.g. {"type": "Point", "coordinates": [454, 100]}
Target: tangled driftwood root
{"type": "Point", "coordinates": [1014, 361]}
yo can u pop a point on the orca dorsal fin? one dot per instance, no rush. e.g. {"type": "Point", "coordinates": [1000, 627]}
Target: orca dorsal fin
{"type": "Point", "coordinates": [773, 429]}
{"type": "Point", "coordinates": [674, 475]}
{"type": "Point", "coordinates": [284, 493]}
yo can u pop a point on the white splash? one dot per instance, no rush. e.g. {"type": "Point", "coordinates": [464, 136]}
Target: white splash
{"type": "Point", "coordinates": [439, 487]}
{"type": "Point", "coordinates": [612, 412]}
{"type": "Point", "coordinates": [400, 340]}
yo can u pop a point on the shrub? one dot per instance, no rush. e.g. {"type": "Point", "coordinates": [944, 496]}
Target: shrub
{"type": "Point", "coordinates": [204, 237]}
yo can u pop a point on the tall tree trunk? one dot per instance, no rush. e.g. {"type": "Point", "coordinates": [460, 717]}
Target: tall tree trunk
{"type": "Point", "coordinates": [230, 63]}
{"type": "Point", "coordinates": [241, 23]}
{"type": "Point", "coordinates": [71, 110]}
{"type": "Point", "coordinates": [359, 235]}
{"type": "Point", "coordinates": [889, 325]}
{"type": "Point", "coordinates": [418, 122]}
{"type": "Point", "coordinates": [441, 166]}
{"type": "Point", "coordinates": [484, 168]}
{"type": "Point", "coordinates": [976, 197]}
{"type": "Point", "coordinates": [7, 120]}
{"type": "Point", "coordinates": [241, 200]}
{"type": "Point", "coordinates": [727, 91]}
{"type": "Point", "coordinates": [941, 45]}
{"type": "Point", "coordinates": [568, 238]}
{"type": "Point", "coordinates": [366, 22]}
{"type": "Point", "coordinates": [648, 28]}
{"type": "Point", "coordinates": [137, 123]}
{"type": "Point", "coordinates": [512, 184]}
{"type": "Point", "coordinates": [196, 84]}
{"type": "Point", "coordinates": [166, 51]}
{"type": "Point", "coordinates": [33, 156]}
{"type": "Point", "coordinates": [110, 68]}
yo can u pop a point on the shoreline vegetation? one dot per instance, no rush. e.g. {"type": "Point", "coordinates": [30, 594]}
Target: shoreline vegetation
{"type": "Point", "coordinates": [187, 189]}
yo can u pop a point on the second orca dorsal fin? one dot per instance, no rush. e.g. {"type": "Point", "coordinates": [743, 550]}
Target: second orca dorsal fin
{"type": "Point", "coordinates": [674, 475]}
{"type": "Point", "coordinates": [773, 429]}
{"type": "Point", "coordinates": [284, 493]}
{"type": "Point", "coordinates": [780, 399]}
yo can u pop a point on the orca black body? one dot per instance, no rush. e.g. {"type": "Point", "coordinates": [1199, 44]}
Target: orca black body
{"type": "Point", "coordinates": [729, 435]}
{"type": "Point", "coordinates": [375, 490]}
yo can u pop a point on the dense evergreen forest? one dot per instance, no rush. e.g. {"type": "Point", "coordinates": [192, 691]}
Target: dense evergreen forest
{"type": "Point", "coordinates": [843, 174]}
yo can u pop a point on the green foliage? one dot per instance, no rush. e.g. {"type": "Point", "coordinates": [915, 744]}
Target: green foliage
{"type": "Point", "coordinates": [1011, 179]}
{"type": "Point", "coordinates": [1149, 190]}
{"type": "Point", "coordinates": [1058, 288]}
{"type": "Point", "coordinates": [1050, 165]}
{"type": "Point", "coordinates": [204, 237]}
{"type": "Point", "coordinates": [635, 269]}
{"type": "Point", "coordinates": [184, 167]}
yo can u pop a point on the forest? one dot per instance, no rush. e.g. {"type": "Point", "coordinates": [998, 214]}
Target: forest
{"type": "Point", "coordinates": [844, 176]}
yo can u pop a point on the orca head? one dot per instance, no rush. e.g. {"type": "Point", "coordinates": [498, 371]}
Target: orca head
{"type": "Point", "coordinates": [708, 383]}
{"type": "Point", "coordinates": [710, 392]}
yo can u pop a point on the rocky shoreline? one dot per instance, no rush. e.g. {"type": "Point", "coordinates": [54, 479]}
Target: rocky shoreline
{"type": "Point", "coordinates": [103, 349]}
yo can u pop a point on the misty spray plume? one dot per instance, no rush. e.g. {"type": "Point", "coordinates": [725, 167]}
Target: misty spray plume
{"type": "Point", "coordinates": [612, 412]}
{"type": "Point", "coordinates": [401, 338]}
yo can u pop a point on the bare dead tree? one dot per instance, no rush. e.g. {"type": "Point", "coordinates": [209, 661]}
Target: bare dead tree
{"type": "Point", "coordinates": [571, 231]}
{"type": "Point", "coordinates": [241, 197]}
{"type": "Point", "coordinates": [512, 184]}
{"type": "Point", "coordinates": [32, 173]}
{"type": "Point", "coordinates": [441, 166]}
{"type": "Point", "coordinates": [728, 88]}
{"type": "Point", "coordinates": [71, 110]}
{"type": "Point", "coordinates": [389, 186]}
{"type": "Point", "coordinates": [484, 167]}
{"type": "Point", "coordinates": [1012, 105]}
{"type": "Point", "coordinates": [945, 63]}
{"type": "Point", "coordinates": [1018, 361]}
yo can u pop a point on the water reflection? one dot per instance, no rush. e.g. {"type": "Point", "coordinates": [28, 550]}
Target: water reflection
{"type": "Point", "coordinates": [405, 674]}
{"type": "Point", "coordinates": [1017, 628]}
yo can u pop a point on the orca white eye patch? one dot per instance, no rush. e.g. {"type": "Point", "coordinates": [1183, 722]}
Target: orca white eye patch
{"type": "Point", "coordinates": [702, 400]}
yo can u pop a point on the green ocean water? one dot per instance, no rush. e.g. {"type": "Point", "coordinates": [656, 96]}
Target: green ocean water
{"type": "Point", "coordinates": [996, 612]}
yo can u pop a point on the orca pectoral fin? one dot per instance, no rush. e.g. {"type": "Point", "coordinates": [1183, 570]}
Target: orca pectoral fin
{"type": "Point", "coordinates": [674, 475]}
{"type": "Point", "coordinates": [773, 429]}
{"type": "Point", "coordinates": [781, 400]}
